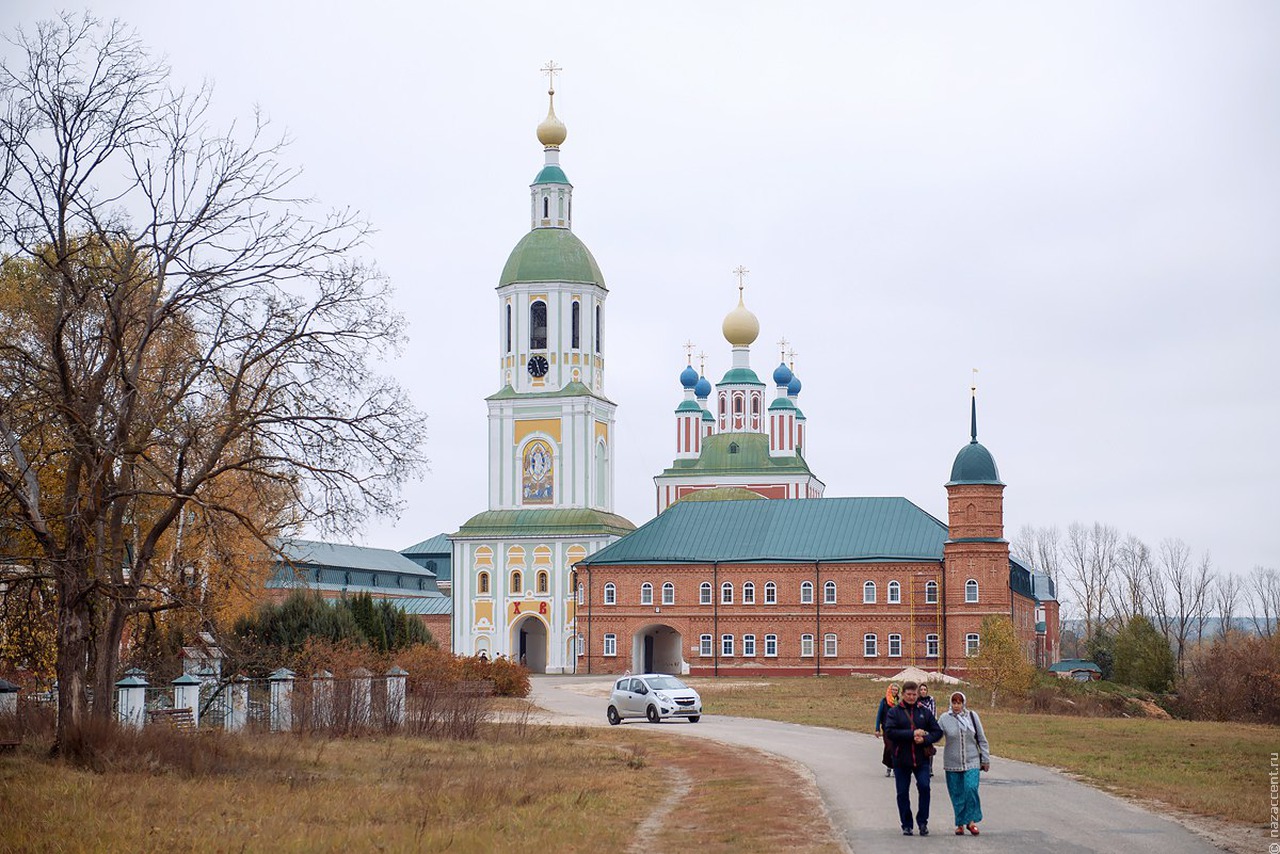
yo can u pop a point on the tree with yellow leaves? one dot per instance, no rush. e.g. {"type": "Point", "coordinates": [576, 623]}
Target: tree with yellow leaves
{"type": "Point", "coordinates": [1001, 666]}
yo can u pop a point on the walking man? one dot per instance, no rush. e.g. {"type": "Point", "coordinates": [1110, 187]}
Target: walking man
{"type": "Point", "coordinates": [911, 729]}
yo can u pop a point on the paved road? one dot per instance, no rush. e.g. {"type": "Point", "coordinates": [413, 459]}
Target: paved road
{"type": "Point", "coordinates": [1026, 808]}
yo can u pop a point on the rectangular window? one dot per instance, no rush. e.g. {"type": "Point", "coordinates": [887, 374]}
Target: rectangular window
{"type": "Point", "coordinates": [869, 646]}
{"type": "Point", "coordinates": [931, 646]}
{"type": "Point", "coordinates": [578, 645]}
{"type": "Point", "coordinates": [806, 646]}
{"type": "Point", "coordinates": [749, 645]}
{"type": "Point", "coordinates": [726, 646]}
{"type": "Point", "coordinates": [610, 644]}
{"type": "Point", "coordinates": [829, 646]}
{"type": "Point", "coordinates": [704, 646]}
{"type": "Point", "coordinates": [771, 646]}
{"type": "Point", "coordinates": [895, 646]}
{"type": "Point", "coordinates": [970, 644]}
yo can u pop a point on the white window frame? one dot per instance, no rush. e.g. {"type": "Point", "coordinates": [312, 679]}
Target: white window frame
{"type": "Point", "coordinates": [972, 644]}
{"type": "Point", "coordinates": [706, 646]}
{"type": "Point", "coordinates": [829, 592]}
{"type": "Point", "coordinates": [579, 645]}
{"type": "Point", "coordinates": [895, 639]}
{"type": "Point", "coordinates": [830, 645]}
{"type": "Point", "coordinates": [770, 646]}
{"type": "Point", "coordinates": [931, 593]}
{"type": "Point", "coordinates": [869, 593]}
{"type": "Point", "coordinates": [610, 645]}
{"type": "Point", "coordinates": [726, 646]}
{"type": "Point", "coordinates": [770, 593]}
{"type": "Point", "coordinates": [931, 646]}
{"type": "Point", "coordinates": [971, 585]}
{"type": "Point", "coordinates": [806, 646]}
{"type": "Point", "coordinates": [806, 593]}
{"type": "Point", "coordinates": [646, 593]}
{"type": "Point", "coordinates": [610, 594]}
{"type": "Point", "coordinates": [748, 593]}
{"type": "Point", "coordinates": [582, 593]}
{"type": "Point", "coordinates": [895, 593]}
{"type": "Point", "coordinates": [748, 646]}
{"type": "Point", "coordinates": [704, 593]}
{"type": "Point", "coordinates": [668, 593]}
{"type": "Point", "coordinates": [726, 593]}
{"type": "Point", "coordinates": [870, 646]}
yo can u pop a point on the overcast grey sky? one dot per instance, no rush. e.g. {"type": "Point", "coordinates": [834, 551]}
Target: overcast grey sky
{"type": "Point", "coordinates": [1081, 200]}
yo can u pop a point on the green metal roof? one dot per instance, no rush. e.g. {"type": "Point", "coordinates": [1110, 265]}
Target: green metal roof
{"type": "Point", "coordinates": [570, 390]}
{"type": "Point", "coordinates": [689, 406]}
{"type": "Point", "coordinates": [437, 545]}
{"type": "Point", "coordinates": [548, 522]}
{"type": "Point", "coordinates": [722, 493]}
{"type": "Point", "coordinates": [551, 174]}
{"type": "Point", "coordinates": [752, 457]}
{"type": "Point", "coordinates": [782, 403]}
{"type": "Point", "coordinates": [740, 376]}
{"type": "Point", "coordinates": [551, 255]}
{"type": "Point", "coordinates": [420, 606]}
{"type": "Point", "coordinates": [798, 529]}
{"type": "Point", "coordinates": [1069, 664]}
{"type": "Point", "coordinates": [707, 416]}
{"type": "Point", "coordinates": [311, 553]}
{"type": "Point", "coordinates": [974, 464]}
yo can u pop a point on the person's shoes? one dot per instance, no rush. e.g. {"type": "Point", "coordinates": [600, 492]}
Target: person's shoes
{"type": "Point", "coordinates": [906, 831]}
{"type": "Point", "coordinates": [973, 828]}
{"type": "Point", "coordinates": [888, 772]}
{"type": "Point", "coordinates": [960, 830]}
{"type": "Point", "coordinates": [924, 830]}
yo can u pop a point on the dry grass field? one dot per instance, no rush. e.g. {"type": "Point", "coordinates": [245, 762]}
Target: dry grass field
{"type": "Point", "coordinates": [518, 787]}
{"type": "Point", "coordinates": [1208, 768]}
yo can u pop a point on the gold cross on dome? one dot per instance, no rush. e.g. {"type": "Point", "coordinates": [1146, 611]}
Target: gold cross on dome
{"type": "Point", "coordinates": [741, 272]}
{"type": "Point", "coordinates": [689, 347]}
{"type": "Point", "coordinates": [551, 69]}
{"type": "Point", "coordinates": [791, 358]}
{"type": "Point", "coordinates": [702, 360]}
{"type": "Point", "coordinates": [782, 344]}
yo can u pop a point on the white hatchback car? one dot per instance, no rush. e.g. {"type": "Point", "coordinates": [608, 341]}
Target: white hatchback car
{"type": "Point", "coordinates": [654, 696]}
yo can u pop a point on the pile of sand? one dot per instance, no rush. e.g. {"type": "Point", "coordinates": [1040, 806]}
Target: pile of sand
{"type": "Point", "coordinates": [915, 674]}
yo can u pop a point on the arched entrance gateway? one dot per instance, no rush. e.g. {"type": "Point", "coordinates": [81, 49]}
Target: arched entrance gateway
{"type": "Point", "coordinates": [529, 643]}
{"type": "Point", "coordinates": [656, 648]}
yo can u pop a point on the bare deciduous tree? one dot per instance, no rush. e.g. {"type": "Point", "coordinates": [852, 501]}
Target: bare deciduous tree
{"type": "Point", "coordinates": [1226, 593]}
{"type": "Point", "coordinates": [1264, 585]}
{"type": "Point", "coordinates": [184, 321]}
{"type": "Point", "coordinates": [1127, 595]}
{"type": "Point", "coordinates": [1089, 555]}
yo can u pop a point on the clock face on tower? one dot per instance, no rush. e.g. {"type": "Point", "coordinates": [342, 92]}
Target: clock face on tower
{"type": "Point", "coordinates": [538, 366]}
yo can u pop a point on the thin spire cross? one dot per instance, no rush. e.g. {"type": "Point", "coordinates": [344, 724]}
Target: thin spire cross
{"type": "Point", "coordinates": [551, 69]}
{"type": "Point", "coordinates": [782, 345]}
{"type": "Point", "coordinates": [741, 272]}
{"type": "Point", "coordinates": [689, 347]}
{"type": "Point", "coordinates": [702, 360]}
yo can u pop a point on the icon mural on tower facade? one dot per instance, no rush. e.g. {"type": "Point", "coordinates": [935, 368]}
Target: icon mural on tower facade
{"type": "Point", "coordinates": [538, 473]}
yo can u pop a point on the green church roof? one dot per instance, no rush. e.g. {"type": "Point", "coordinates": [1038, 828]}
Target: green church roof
{"type": "Point", "coordinates": [782, 403]}
{"type": "Point", "coordinates": [974, 464]}
{"type": "Point", "coordinates": [740, 376]}
{"type": "Point", "coordinates": [689, 406]}
{"type": "Point", "coordinates": [544, 522]}
{"type": "Point", "coordinates": [551, 174]}
{"type": "Point", "coordinates": [781, 530]}
{"type": "Point", "coordinates": [571, 389]}
{"type": "Point", "coordinates": [751, 457]}
{"type": "Point", "coordinates": [551, 255]}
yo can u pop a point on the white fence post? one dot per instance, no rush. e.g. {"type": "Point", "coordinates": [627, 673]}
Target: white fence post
{"type": "Point", "coordinates": [131, 699]}
{"type": "Point", "coordinates": [186, 695]}
{"type": "Point", "coordinates": [282, 700]}
{"type": "Point", "coordinates": [321, 699]}
{"type": "Point", "coordinates": [238, 707]}
{"type": "Point", "coordinates": [395, 695]}
{"type": "Point", "coordinates": [361, 696]}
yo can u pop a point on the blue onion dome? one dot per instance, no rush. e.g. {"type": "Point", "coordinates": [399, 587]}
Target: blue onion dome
{"type": "Point", "coordinates": [782, 374]}
{"type": "Point", "coordinates": [793, 387]}
{"type": "Point", "coordinates": [688, 377]}
{"type": "Point", "coordinates": [703, 389]}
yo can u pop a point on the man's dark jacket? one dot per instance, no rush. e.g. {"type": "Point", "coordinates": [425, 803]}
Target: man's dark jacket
{"type": "Point", "coordinates": [900, 725]}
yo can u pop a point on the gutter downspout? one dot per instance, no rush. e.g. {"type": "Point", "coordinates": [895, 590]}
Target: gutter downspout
{"type": "Point", "coordinates": [942, 565]}
{"type": "Point", "coordinates": [591, 624]}
{"type": "Point", "coordinates": [715, 617]}
{"type": "Point", "coordinates": [817, 618]}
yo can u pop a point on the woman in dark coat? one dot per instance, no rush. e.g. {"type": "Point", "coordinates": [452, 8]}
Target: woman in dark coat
{"type": "Point", "coordinates": [887, 702]}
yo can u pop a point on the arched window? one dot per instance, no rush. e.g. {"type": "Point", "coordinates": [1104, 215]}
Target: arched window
{"type": "Point", "coordinates": [610, 594]}
{"type": "Point", "coordinates": [869, 593]}
{"type": "Point", "coordinates": [971, 590]}
{"type": "Point", "coordinates": [482, 582]}
{"type": "Point", "coordinates": [646, 594]}
{"type": "Point", "coordinates": [829, 593]}
{"type": "Point", "coordinates": [770, 593]}
{"type": "Point", "coordinates": [755, 406]}
{"type": "Point", "coordinates": [806, 646]}
{"type": "Point", "coordinates": [733, 447]}
{"type": "Point", "coordinates": [546, 207]}
{"type": "Point", "coordinates": [517, 581]}
{"type": "Point", "coordinates": [737, 405]}
{"type": "Point", "coordinates": [748, 593]}
{"type": "Point", "coordinates": [508, 327]}
{"type": "Point", "coordinates": [895, 646]}
{"type": "Point", "coordinates": [931, 646]}
{"type": "Point", "coordinates": [602, 474]}
{"type": "Point", "coordinates": [576, 326]}
{"type": "Point", "coordinates": [806, 593]}
{"type": "Point", "coordinates": [971, 643]}
{"type": "Point", "coordinates": [538, 325]}
{"type": "Point", "coordinates": [668, 594]}
{"type": "Point", "coordinates": [704, 593]}
{"type": "Point", "coordinates": [542, 582]}
{"type": "Point", "coordinates": [830, 645]}
{"type": "Point", "coordinates": [599, 330]}
{"type": "Point", "coordinates": [582, 594]}
{"type": "Point", "coordinates": [895, 592]}
{"type": "Point", "coordinates": [726, 593]}
{"type": "Point", "coordinates": [869, 646]}
{"type": "Point", "coordinates": [931, 593]}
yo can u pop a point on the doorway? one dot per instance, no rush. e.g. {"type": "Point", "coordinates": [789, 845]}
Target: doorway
{"type": "Point", "coordinates": [656, 648]}
{"type": "Point", "coordinates": [529, 644]}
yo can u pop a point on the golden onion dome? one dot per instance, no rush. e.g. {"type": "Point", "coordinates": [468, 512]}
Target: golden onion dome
{"type": "Point", "coordinates": [740, 326]}
{"type": "Point", "coordinates": [551, 132]}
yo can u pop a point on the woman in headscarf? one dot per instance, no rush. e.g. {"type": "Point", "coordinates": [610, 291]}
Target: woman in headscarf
{"type": "Point", "coordinates": [966, 755]}
{"type": "Point", "coordinates": [887, 702]}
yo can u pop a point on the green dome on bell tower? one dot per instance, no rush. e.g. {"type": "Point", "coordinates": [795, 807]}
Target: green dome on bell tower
{"type": "Point", "coordinates": [551, 255]}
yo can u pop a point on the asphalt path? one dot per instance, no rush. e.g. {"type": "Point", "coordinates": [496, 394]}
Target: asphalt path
{"type": "Point", "coordinates": [1026, 808]}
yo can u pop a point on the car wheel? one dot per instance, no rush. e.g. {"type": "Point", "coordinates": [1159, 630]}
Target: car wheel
{"type": "Point", "coordinates": [613, 716]}
{"type": "Point", "coordinates": [652, 715]}
{"type": "Point", "coordinates": [693, 719]}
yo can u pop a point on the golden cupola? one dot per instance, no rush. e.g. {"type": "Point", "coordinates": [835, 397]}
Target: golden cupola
{"type": "Point", "coordinates": [741, 327]}
{"type": "Point", "coordinates": [552, 132]}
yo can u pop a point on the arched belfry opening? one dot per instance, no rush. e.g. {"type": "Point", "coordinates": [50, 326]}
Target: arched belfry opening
{"type": "Point", "coordinates": [529, 643]}
{"type": "Point", "coordinates": [657, 648]}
